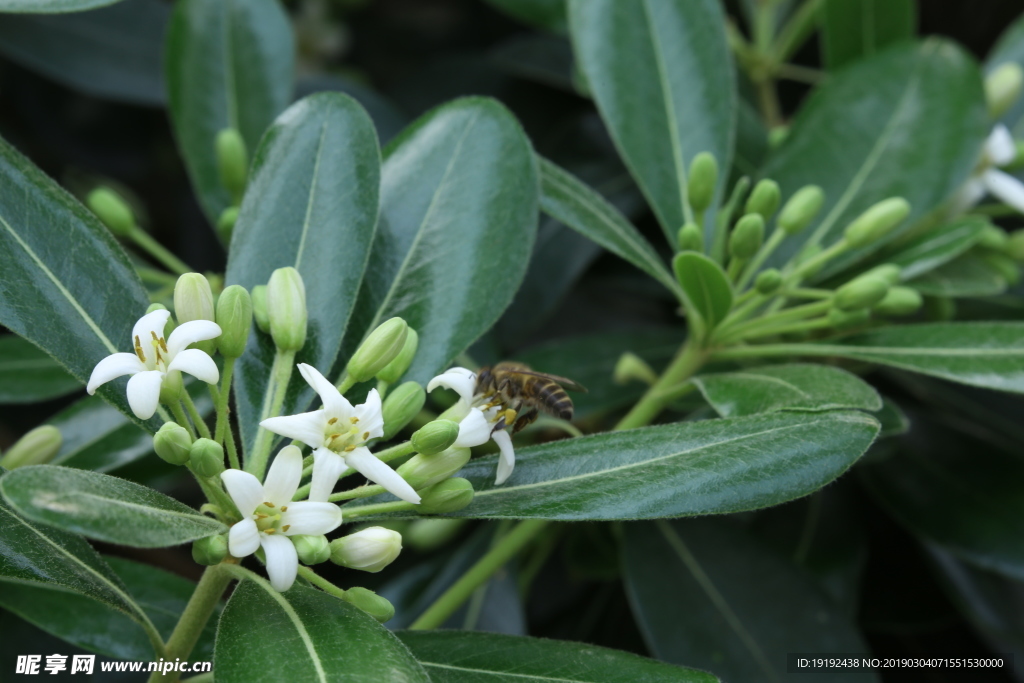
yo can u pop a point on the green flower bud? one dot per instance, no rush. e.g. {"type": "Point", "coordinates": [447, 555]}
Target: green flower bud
{"type": "Point", "coordinates": [435, 437]}
{"type": "Point", "coordinates": [368, 550]}
{"type": "Point", "coordinates": [842, 320]}
{"type": "Point", "coordinates": [171, 387]}
{"type": "Point", "coordinates": [234, 315]}
{"type": "Point", "coordinates": [112, 211]}
{"type": "Point", "coordinates": [1003, 88]}
{"type": "Point", "coordinates": [1005, 266]}
{"type": "Point", "coordinates": [632, 367]}
{"type": "Point", "coordinates": [193, 300]}
{"type": "Point", "coordinates": [451, 495]}
{"type": "Point", "coordinates": [900, 301]}
{"type": "Point", "coordinates": [393, 371]}
{"type": "Point", "coordinates": [862, 292]}
{"type": "Point", "coordinates": [801, 209]}
{"type": "Point", "coordinates": [312, 549]}
{"type": "Point", "coordinates": [700, 187]}
{"type": "Point", "coordinates": [232, 161]}
{"type": "Point", "coordinates": [259, 308]}
{"type": "Point", "coordinates": [173, 444]}
{"type": "Point", "coordinates": [286, 309]}
{"type": "Point", "coordinates": [764, 199]}
{"type": "Point", "coordinates": [422, 471]}
{"type": "Point", "coordinates": [37, 447]}
{"type": "Point", "coordinates": [402, 404]}
{"type": "Point", "coordinates": [429, 534]}
{"type": "Point", "coordinates": [207, 458]}
{"type": "Point", "coordinates": [691, 238]}
{"type": "Point", "coordinates": [768, 281]}
{"type": "Point", "coordinates": [1015, 246]}
{"type": "Point", "coordinates": [877, 221]}
{"type": "Point", "coordinates": [371, 603]}
{"type": "Point", "coordinates": [377, 350]}
{"type": "Point", "coordinates": [210, 550]}
{"type": "Point", "coordinates": [226, 224]}
{"type": "Point", "coordinates": [747, 237]}
{"type": "Point", "coordinates": [993, 237]}
{"type": "Point", "coordinates": [889, 272]}
{"type": "Point", "coordinates": [777, 135]}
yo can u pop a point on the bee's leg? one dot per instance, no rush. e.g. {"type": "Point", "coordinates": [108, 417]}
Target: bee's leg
{"type": "Point", "coordinates": [525, 419]}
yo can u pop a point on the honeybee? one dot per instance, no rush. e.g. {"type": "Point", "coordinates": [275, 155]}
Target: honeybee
{"type": "Point", "coordinates": [517, 387]}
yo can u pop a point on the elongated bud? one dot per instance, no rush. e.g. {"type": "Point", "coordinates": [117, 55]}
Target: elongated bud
{"type": "Point", "coordinates": [768, 281]}
{"type": "Point", "coordinates": [37, 447]}
{"type": "Point", "coordinates": [435, 437]}
{"type": "Point", "coordinates": [691, 238]}
{"type": "Point", "coordinates": [232, 161]}
{"type": "Point", "coordinates": [993, 237]}
{"type": "Point", "coordinates": [1003, 88]}
{"type": "Point", "coordinates": [210, 550]}
{"type": "Point", "coordinates": [877, 221]}
{"type": "Point", "coordinates": [207, 458]}
{"type": "Point", "coordinates": [1004, 265]}
{"type": "Point", "coordinates": [429, 534]}
{"type": "Point", "coordinates": [700, 187]}
{"type": "Point", "coordinates": [371, 603]}
{"type": "Point", "coordinates": [259, 308]}
{"type": "Point", "coordinates": [900, 301]}
{"type": "Point", "coordinates": [801, 209]}
{"type": "Point", "coordinates": [747, 237]}
{"type": "Point", "coordinates": [226, 224]}
{"type": "Point", "coordinates": [402, 404]}
{"type": "Point", "coordinates": [377, 350]}
{"type": "Point", "coordinates": [393, 371]}
{"type": "Point", "coordinates": [862, 292]}
{"type": "Point", "coordinates": [286, 309]}
{"type": "Point", "coordinates": [172, 443]}
{"type": "Point", "coordinates": [234, 315]}
{"type": "Point", "coordinates": [842, 320]}
{"type": "Point", "coordinates": [422, 471]}
{"type": "Point", "coordinates": [764, 199]}
{"type": "Point", "coordinates": [889, 272]}
{"type": "Point", "coordinates": [632, 367]}
{"type": "Point", "coordinates": [451, 495]}
{"type": "Point", "coordinates": [112, 211]}
{"type": "Point", "coordinates": [312, 549]}
{"type": "Point", "coordinates": [368, 550]}
{"type": "Point", "coordinates": [193, 300]}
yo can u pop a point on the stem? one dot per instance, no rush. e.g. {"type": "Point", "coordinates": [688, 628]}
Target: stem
{"type": "Point", "coordinates": [796, 30]}
{"type": "Point", "coordinates": [345, 383]}
{"type": "Point", "coordinates": [762, 255]}
{"type": "Point", "coordinates": [724, 219]}
{"type": "Point", "coordinates": [802, 326]}
{"type": "Point", "coordinates": [689, 359]}
{"type": "Point", "coordinates": [730, 333]}
{"type": "Point", "coordinates": [158, 251]}
{"type": "Point", "coordinates": [774, 350]}
{"type": "Point", "coordinates": [222, 402]}
{"type": "Point", "coordinates": [280, 375]}
{"type": "Point", "coordinates": [359, 492]}
{"type": "Point", "coordinates": [801, 74]}
{"type": "Point", "coordinates": [496, 557]}
{"type": "Point", "coordinates": [182, 419]}
{"type": "Point", "coordinates": [353, 512]}
{"type": "Point", "coordinates": [156, 277]}
{"type": "Point", "coordinates": [194, 413]}
{"type": "Point", "coordinates": [320, 582]}
{"type": "Point", "coordinates": [768, 98]}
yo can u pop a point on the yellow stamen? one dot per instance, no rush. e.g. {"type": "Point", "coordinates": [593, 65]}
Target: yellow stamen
{"type": "Point", "coordinates": [260, 516]}
{"type": "Point", "coordinates": [332, 420]}
{"type": "Point", "coordinates": [284, 508]}
{"type": "Point", "coordinates": [366, 435]}
{"type": "Point", "coordinates": [138, 349]}
{"type": "Point", "coordinates": [270, 531]}
{"type": "Point", "coordinates": [286, 527]}
{"type": "Point", "coordinates": [510, 416]}
{"type": "Point", "coordinates": [349, 449]}
{"type": "Point", "coordinates": [163, 345]}
{"type": "Point", "coordinates": [353, 420]}
{"type": "Point", "coordinates": [268, 504]}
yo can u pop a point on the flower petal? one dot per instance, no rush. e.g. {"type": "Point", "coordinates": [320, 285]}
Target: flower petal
{"type": "Point", "coordinates": [282, 560]}
{"type": "Point", "coordinates": [507, 459]}
{"type": "Point", "coordinates": [327, 467]}
{"type": "Point", "coordinates": [196, 363]}
{"type": "Point", "coordinates": [460, 380]}
{"type": "Point", "coordinates": [1000, 147]}
{"type": "Point", "coordinates": [282, 480]}
{"type": "Point", "coordinates": [113, 366]}
{"type": "Point", "coordinates": [245, 490]}
{"type": "Point", "coordinates": [243, 538]}
{"type": "Point", "coordinates": [305, 427]}
{"type": "Point", "coordinates": [190, 333]}
{"type": "Point", "coordinates": [371, 418]}
{"type": "Point", "coordinates": [144, 393]}
{"type": "Point", "coordinates": [1005, 187]}
{"type": "Point", "coordinates": [968, 195]}
{"type": "Point", "coordinates": [370, 466]}
{"type": "Point", "coordinates": [147, 326]}
{"type": "Point", "coordinates": [311, 518]}
{"type": "Point", "coordinates": [474, 430]}
{"type": "Point", "coordinates": [335, 405]}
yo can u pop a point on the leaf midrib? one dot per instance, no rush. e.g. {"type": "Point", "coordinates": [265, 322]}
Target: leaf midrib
{"type": "Point", "coordinates": [489, 672]}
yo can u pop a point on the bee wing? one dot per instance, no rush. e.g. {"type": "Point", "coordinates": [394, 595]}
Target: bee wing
{"type": "Point", "coordinates": [564, 381]}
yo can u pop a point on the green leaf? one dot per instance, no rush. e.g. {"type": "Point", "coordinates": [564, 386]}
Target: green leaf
{"type": "Point", "coordinates": [968, 275]}
{"type": "Point", "coordinates": [800, 386]}
{"type": "Point", "coordinates": [916, 131]}
{"type": "Point", "coordinates": [102, 507]}
{"type": "Point", "coordinates": [708, 291]}
{"type": "Point", "coordinates": [111, 53]}
{"type": "Point", "coordinates": [707, 595]}
{"type": "Point", "coordinates": [569, 200]}
{"type": "Point", "coordinates": [228, 64]}
{"type": "Point", "coordinates": [468, 657]}
{"type": "Point", "coordinates": [854, 29]}
{"type": "Point", "coordinates": [661, 74]}
{"type": "Point", "coordinates": [97, 437]}
{"type": "Point", "coordinates": [81, 309]}
{"type": "Point", "coordinates": [28, 375]}
{"type": "Point", "coordinates": [548, 14]}
{"type": "Point", "coordinates": [936, 247]}
{"type": "Point", "coordinates": [312, 204]}
{"type": "Point", "coordinates": [1010, 48]}
{"type": "Point", "coordinates": [51, 6]}
{"type": "Point", "coordinates": [317, 637]}
{"type": "Point", "coordinates": [458, 220]}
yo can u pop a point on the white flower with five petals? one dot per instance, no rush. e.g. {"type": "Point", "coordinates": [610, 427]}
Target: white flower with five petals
{"type": "Point", "coordinates": [156, 357]}
{"type": "Point", "coordinates": [269, 516]}
{"type": "Point", "coordinates": [337, 433]}
{"type": "Point", "coordinates": [478, 420]}
{"type": "Point", "coordinates": [1000, 150]}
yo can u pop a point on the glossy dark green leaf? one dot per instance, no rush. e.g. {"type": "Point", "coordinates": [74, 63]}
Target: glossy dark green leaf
{"type": "Point", "coordinates": [317, 638]}
{"type": "Point", "coordinates": [915, 131]}
{"type": "Point", "coordinates": [705, 594]}
{"type": "Point", "coordinates": [967, 275]}
{"type": "Point", "coordinates": [470, 657]}
{"type": "Point", "coordinates": [1010, 48]}
{"type": "Point", "coordinates": [228, 64]}
{"type": "Point", "coordinates": [549, 14]}
{"type": "Point", "coordinates": [102, 507]}
{"type": "Point", "coordinates": [936, 247]}
{"type": "Point", "coordinates": [51, 6]}
{"type": "Point", "coordinates": [854, 29]}
{"type": "Point", "coordinates": [800, 386]}
{"type": "Point", "coordinates": [112, 53]}
{"type": "Point", "coordinates": [458, 220]}
{"type": "Point", "coordinates": [661, 74]}
{"type": "Point", "coordinates": [79, 310]}
{"type": "Point", "coordinates": [28, 375]}
{"type": "Point", "coordinates": [567, 199]}
{"type": "Point", "coordinates": [312, 204]}
{"type": "Point", "coordinates": [387, 118]}
{"type": "Point", "coordinates": [707, 288]}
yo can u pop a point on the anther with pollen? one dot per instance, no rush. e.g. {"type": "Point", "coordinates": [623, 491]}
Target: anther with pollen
{"type": "Point", "coordinates": [353, 419]}
{"type": "Point", "coordinates": [268, 504]}
{"type": "Point", "coordinates": [285, 528]}
{"type": "Point", "coordinates": [138, 349]}
{"type": "Point", "coordinates": [284, 508]}
{"type": "Point", "coordinates": [332, 420]}
{"type": "Point", "coordinates": [349, 449]}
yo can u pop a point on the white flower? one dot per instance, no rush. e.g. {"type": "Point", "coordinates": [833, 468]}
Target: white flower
{"type": "Point", "coordinates": [269, 516]}
{"type": "Point", "coordinates": [155, 358]}
{"type": "Point", "coordinates": [337, 434]}
{"type": "Point", "coordinates": [478, 419]}
{"type": "Point", "coordinates": [1000, 150]}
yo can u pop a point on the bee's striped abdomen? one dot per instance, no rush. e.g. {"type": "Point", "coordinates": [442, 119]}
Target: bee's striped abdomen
{"type": "Point", "coordinates": [555, 400]}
